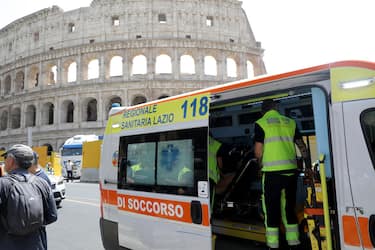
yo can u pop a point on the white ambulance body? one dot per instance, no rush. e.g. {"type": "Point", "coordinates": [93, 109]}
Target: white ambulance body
{"type": "Point", "coordinates": [146, 204]}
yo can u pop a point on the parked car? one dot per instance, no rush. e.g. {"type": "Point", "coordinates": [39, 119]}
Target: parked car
{"type": "Point", "coordinates": [58, 188]}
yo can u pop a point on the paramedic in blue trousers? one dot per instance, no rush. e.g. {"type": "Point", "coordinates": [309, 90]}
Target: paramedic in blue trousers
{"type": "Point", "coordinates": [275, 139]}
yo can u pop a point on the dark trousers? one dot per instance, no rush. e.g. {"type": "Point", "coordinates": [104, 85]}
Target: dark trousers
{"type": "Point", "coordinates": [43, 236]}
{"type": "Point", "coordinates": [274, 183]}
{"type": "Point", "coordinates": [70, 175]}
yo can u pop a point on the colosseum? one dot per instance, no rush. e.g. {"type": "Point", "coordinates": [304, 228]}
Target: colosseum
{"type": "Point", "coordinates": [61, 71]}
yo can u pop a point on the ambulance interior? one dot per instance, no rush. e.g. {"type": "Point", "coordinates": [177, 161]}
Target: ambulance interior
{"type": "Point", "coordinates": [237, 211]}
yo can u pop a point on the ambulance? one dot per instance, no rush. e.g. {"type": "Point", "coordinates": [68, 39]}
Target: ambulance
{"type": "Point", "coordinates": [155, 190]}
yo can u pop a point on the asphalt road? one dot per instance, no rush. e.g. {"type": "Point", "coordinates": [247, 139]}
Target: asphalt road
{"type": "Point", "coordinates": [77, 227]}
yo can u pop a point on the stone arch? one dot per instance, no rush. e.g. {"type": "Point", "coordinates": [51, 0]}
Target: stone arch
{"type": "Point", "coordinates": [4, 120]}
{"type": "Point", "coordinates": [210, 66]}
{"type": "Point", "coordinates": [163, 96]}
{"type": "Point", "coordinates": [250, 69]}
{"type": "Point", "coordinates": [231, 67]}
{"type": "Point", "coordinates": [19, 81]}
{"type": "Point", "coordinates": [33, 77]}
{"type": "Point", "coordinates": [16, 118]}
{"type": "Point", "coordinates": [139, 99]}
{"type": "Point", "coordinates": [163, 64]}
{"type": "Point", "coordinates": [7, 85]}
{"type": "Point", "coordinates": [116, 66]}
{"type": "Point", "coordinates": [30, 116]}
{"type": "Point", "coordinates": [51, 74]}
{"type": "Point", "coordinates": [71, 73]}
{"type": "Point", "coordinates": [111, 100]}
{"type": "Point", "coordinates": [187, 65]}
{"type": "Point", "coordinates": [92, 69]}
{"type": "Point", "coordinates": [48, 110]}
{"type": "Point", "coordinates": [90, 110]}
{"type": "Point", "coordinates": [67, 112]}
{"type": "Point", "coordinates": [139, 65]}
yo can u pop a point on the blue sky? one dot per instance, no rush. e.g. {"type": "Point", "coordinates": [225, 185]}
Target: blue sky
{"type": "Point", "coordinates": [294, 33]}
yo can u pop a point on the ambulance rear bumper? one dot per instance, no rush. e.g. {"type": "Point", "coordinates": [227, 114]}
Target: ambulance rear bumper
{"type": "Point", "coordinates": [109, 233]}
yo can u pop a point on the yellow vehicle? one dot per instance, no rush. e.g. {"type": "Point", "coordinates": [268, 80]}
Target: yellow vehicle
{"type": "Point", "coordinates": [146, 204]}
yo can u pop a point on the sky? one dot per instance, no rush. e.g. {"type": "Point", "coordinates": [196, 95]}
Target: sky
{"type": "Point", "coordinates": [294, 33]}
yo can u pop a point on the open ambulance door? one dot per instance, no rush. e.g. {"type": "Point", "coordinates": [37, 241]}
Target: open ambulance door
{"type": "Point", "coordinates": [359, 126]}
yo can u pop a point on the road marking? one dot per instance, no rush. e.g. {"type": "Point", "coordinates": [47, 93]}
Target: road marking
{"type": "Point", "coordinates": [83, 202]}
{"type": "Point", "coordinates": [79, 198]}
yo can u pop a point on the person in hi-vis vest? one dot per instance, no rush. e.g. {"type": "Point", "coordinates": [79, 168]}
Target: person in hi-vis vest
{"type": "Point", "coordinates": [275, 138]}
{"type": "Point", "coordinates": [215, 162]}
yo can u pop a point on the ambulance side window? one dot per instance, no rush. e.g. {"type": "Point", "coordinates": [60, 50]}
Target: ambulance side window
{"type": "Point", "coordinates": [368, 127]}
{"type": "Point", "coordinates": [175, 165]}
{"type": "Point", "coordinates": [140, 167]}
{"type": "Point", "coordinates": [164, 162]}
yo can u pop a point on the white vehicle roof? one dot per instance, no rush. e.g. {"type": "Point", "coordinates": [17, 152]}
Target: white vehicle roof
{"type": "Point", "coordinates": [79, 139]}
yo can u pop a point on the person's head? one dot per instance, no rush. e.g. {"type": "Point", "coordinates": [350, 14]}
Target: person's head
{"type": "Point", "coordinates": [268, 105]}
{"type": "Point", "coordinates": [35, 163]}
{"type": "Point", "coordinates": [18, 156]}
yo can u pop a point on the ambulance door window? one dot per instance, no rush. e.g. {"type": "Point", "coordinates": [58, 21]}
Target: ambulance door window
{"type": "Point", "coordinates": [175, 163]}
{"type": "Point", "coordinates": [181, 161]}
{"type": "Point", "coordinates": [141, 163]}
{"type": "Point", "coordinates": [170, 162]}
{"type": "Point", "coordinates": [368, 128]}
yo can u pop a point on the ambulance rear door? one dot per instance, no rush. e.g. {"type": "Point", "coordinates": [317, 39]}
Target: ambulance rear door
{"type": "Point", "coordinates": [359, 126]}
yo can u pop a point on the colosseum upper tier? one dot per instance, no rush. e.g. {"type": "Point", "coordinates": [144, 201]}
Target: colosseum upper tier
{"type": "Point", "coordinates": [61, 71]}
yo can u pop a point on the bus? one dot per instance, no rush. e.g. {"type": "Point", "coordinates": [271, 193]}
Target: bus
{"type": "Point", "coordinates": [145, 204]}
{"type": "Point", "coordinates": [72, 150]}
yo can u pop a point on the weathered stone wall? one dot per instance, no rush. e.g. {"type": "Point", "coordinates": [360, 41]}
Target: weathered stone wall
{"type": "Point", "coordinates": [39, 52]}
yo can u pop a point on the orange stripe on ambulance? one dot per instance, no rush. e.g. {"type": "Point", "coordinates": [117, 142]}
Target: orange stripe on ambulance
{"type": "Point", "coordinates": [150, 207]}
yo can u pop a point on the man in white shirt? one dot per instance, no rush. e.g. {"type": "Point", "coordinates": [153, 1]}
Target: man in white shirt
{"type": "Point", "coordinates": [69, 170]}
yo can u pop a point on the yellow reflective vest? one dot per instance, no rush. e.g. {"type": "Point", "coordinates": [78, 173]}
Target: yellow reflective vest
{"type": "Point", "coordinates": [135, 168]}
{"type": "Point", "coordinates": [213, 147]}
{"type": "Point", "coordinates": [279, 151]}
{"type": "Point", "coordinates": [181, 174]}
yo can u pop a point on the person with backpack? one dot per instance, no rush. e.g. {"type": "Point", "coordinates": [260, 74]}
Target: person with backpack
{"type": "Point", "coordinates": [26, 203]}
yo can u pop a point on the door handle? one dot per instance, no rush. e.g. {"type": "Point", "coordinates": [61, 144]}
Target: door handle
{"type": "Point", "coordinates": [196, 212]}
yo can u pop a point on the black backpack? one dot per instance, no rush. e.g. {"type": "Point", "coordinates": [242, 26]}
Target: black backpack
{"type": "Point", "coordinates": [24, 206]}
